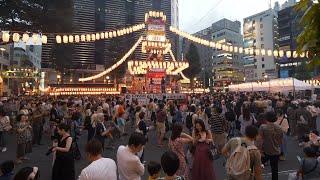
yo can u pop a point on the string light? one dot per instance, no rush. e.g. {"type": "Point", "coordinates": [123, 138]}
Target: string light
{"type": "Point", "coordinates": [5, 37]}
{"type": "Point", "coordinates": [44, 39]}
{"type": "Point", "coordinates": [25, 37]}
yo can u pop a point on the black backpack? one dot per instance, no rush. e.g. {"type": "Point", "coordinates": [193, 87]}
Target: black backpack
{"type": "Point", "coordinates": [189, 121]}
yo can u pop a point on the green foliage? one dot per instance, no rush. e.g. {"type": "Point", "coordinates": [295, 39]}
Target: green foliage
{"type": "Point", "coordinates": [302, 71]}
{"type": "Point", "coordinates": [309, 39]}
{"type": "Point", "coordinates": [194, 62]}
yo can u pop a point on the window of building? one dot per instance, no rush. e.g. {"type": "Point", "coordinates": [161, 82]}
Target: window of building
{"type": "Point", "coordinates": [262, 46]}
{"type": "Point", "coordinates": [261, 26]}
{"type": "Point", "coordinates": [262, 59]}
{"type": "Point", "coordinates": [261, 38]}
{"type": "Point", "coordinates": [262, 66]}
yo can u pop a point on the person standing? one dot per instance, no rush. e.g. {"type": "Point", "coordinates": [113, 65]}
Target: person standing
{"type": "Point", "coordinates": [100, 168]}
{"type": "Point", "coordinates": [176, 144]}
{"type": "Point", "coordinates": [37, 124]}
{"type": "Point", "coordinates": [129, 164]}
{"type": "Point", "coordinates": [283, 123]}
{"type": "Point", "coordinates": [5, 127]}
{"type": "Point", "coordinates": [161, 128]}
{"type": "Point", "coordinates": [202, 167]}
{"type": "Point", "coordinates": [24, 138]}
{"type": "Point", "coordinates": [63, 166]}
{"type": "Point", "coordinates": [218, 126]}
{"type": "Point", "coordinates": [271, 136]}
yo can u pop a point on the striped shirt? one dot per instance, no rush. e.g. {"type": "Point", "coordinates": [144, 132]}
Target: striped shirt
{"type": "Point", "coordinates": [217, 123]}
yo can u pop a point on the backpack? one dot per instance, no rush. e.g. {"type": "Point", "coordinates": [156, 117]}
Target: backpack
{"type": "Point", "coordinates": [189, 121]}
{"type": "Point", "coordinates": [239, 161]}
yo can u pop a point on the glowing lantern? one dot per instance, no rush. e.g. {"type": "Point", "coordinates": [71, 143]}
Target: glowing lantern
{"type": "Point", "coordinates": [35, 38]}
{"type": "Point", "coordinates": [93, 37]}
{"type": "Point", "coordinates": [5, 37]}
{"type": "Point", "coordinates": [257, 51]}
{"type": "Point", "coordinates": [77, 38]}
{"type": "Point", "coordinates": [269, 52]}
{"type": "Point", "coordinates": [71, 38]}
{"type": "Point", "coordinates": [97, 36]}
{"type": "Point", "coordinates": [88, 37]}
{"type": "Point", "coordinates": [25, 37]}
{"type": "Point", "coordinates": [58, 39]}
{"type": "Point", "coordinates": [15, 37]}
{"type": "Point", "coordinates": [44, 39]}
{"type": "Point", "coordinates": [83, 37]}
{"type": "Point", "coordinates": [263, 52]}
{"type": "Point", "coordinates": [275, 53]}
{"type": "Point", "coordinates": [281, 53]}
{"type": "Point", "coordinates": [288, 53]}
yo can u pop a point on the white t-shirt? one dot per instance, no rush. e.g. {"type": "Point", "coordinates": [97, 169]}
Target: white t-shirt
{"type": "Point", "coordinates": [129, 165]}
{"type": "Point", "coordinates": [100, 169]}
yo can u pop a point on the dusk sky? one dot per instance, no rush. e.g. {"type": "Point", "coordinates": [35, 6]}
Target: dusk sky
{"type": "Point", "coordinates": [199, 14]}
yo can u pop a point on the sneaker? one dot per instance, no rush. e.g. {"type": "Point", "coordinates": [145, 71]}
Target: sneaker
{"type": "Point", "coordinates": [4, 149]}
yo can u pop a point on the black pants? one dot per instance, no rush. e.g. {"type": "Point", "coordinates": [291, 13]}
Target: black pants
{"type": "Point", "coordinates": [274, 159]}
{"type": "Point", "coordinates": [37, 133]}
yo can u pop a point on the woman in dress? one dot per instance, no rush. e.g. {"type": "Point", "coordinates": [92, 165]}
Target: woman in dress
{"type": "Point", "coordinates": [202, 168]}
{"type": "Point", "coordinates": [176, 144]}
{"type": "Point", "coordinates": [63, 167]}
{"type": "Point", "coordinates": [24, 138]}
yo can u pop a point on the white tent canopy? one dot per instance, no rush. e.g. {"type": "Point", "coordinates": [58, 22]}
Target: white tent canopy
{"type": "Point", "coordinates": [274, 85]}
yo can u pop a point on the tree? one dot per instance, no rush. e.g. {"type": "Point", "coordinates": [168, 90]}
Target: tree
{"type": "Point", "coordinates": [302, 71]}
{"type": "Point", "coordinates": [194, 63]}
{"type": "Point", "coordinates": [309, 39]}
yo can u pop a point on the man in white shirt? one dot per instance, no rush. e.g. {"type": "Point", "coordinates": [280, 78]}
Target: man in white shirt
{"type": "Point", "coordinates": [129, 165]}
{"type": "Point", "coordinates": [100, 168]}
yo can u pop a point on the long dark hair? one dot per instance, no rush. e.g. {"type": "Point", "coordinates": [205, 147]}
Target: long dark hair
{"type": "Point", "coordinates": [203, 127]}
{"type": "Point", "coordinates": [176, 131]}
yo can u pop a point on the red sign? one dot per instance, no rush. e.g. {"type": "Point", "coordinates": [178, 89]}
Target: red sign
{"type": "Point", "coordinates": [156, 73]}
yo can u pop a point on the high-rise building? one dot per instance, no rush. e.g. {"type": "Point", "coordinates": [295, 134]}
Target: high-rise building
{"type": "Point", "coordinates": [101, 15]}
{"type": "Point", "coordinates": [260, 32]}
{"type": "Point", "coordinates": [288, 3]}
{"type": "Point", "coordinates": [227, 67]}
{"type": "Point", "coordinates": [289, 30]}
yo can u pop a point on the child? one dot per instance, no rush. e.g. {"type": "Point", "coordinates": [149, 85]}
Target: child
{"type": "Point", "coordinates": [6, 170]}
{"type": "Point", "coordinates": [154, 169]}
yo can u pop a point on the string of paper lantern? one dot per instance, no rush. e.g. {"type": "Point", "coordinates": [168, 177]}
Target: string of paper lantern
{"type": "Point", "coordinates": [114, 66]}
{"type": "Point", "coordinates": [235, 49]}
{"type": "Point", "coordinates": [38, 38]}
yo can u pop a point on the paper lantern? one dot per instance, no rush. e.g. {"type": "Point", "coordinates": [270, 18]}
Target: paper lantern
{"type": "Point", "coordinates": [83, 38]}
{"type": "Point", "coordinates": [97, 36]}
{"type": "Point", "coordinates": [110, 34]}
{"type": "Point", "coordinates": [302, 55]}
{"type": "Point", "coordinates": [102, 35]}
{"type": "Point", "coordinates": [263, 52]}
{"type": "Point", "coordinates": [93, 37]}
{"type": "Point", "coordinates": [235, 49]}
{"type": "Point", "coordinates": [251, 51]}
{"type": "Point", "coordinates": [257, 51]}
{"type": "Point", "coordinates": [58, 39]}
{"type": "Point", "coordinates": [44, 39]}
{"type": "Point", "coordinates": [288, 53]}
{"type": "Point", "coordinates": [65, 39]}
{"type": "Point", "coordinates": [77, 38]}
{"type": "Point", "coordinates": [246, 51]}
{"type": "Point", "coordinates": [35, 38]}
{"type": "Point", "coordinates": [269, 52]}
{"type": "Point", "coordinates": [71, 38]}
{"type": "Point", "coordinates": [231, 48]}
{"type": "Point", "coordinates": [16, 37]}
{"type": "Point", "coordinates": [25, 37]}
{"type": "Point", "coordinates": [114, 34]}
{"type": "Point", "coordinates": [240, 50]}
{"type": "Point", "coordinates": [295, 55]}
{"type": "Point", "coordinates": [88, 37]}
{"type": "Point", "coordinates": [275, 53]}
{"type": "Point", "coordinates": [281, 53]}
{"type": "Point", "coordinates": [5, 37]}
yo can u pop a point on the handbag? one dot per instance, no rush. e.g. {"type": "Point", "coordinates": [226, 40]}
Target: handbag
{"type": "Point", "coordinates": [213, 152]}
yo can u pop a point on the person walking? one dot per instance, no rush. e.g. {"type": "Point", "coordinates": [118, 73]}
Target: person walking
{"type": "Point", "coordinates": [248, 159]}
{"type": "Point", "coordinates": [63, 166]}
{"type": "Point", "coordinates": [271, 136]}
{"type": "Point", "coordinates": [100, 168]}
{"type": "Point", "coordinates": [161, 127]}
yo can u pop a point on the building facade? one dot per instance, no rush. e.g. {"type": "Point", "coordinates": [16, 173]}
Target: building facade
{"type": "Point", "coordinates": [289, 30]}
{"type": "Point", "coordinates": [260, 31]}
{"type": "Point", "coordinates": [227, 67]}
{"type": "Point", "coordinates": [102, 15]}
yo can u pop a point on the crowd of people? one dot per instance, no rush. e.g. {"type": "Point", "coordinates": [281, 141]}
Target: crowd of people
{"type": "Point", "coordinates": [249, 130]}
